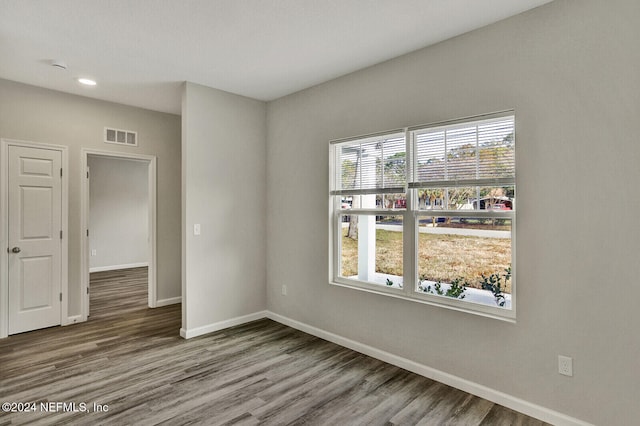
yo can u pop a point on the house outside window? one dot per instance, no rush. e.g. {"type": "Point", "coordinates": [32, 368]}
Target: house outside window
{"type": "Point", "coordinates": [427, 213]}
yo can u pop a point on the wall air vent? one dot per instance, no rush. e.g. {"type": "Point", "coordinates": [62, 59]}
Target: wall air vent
{"type": "Point", "coordinates": [120, 137]}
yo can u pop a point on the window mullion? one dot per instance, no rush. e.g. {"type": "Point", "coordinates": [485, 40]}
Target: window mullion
{"type": "Point", "coordinates": [382, 165]}
{"type": "Point", "coordinates": [409, 225]}
{"type": "Point", "coordinates": [477, 167]}
{"type": "Point", "coordinates": [446, 158]}
{"type": "Point", "coordinates": [359, 161]}
{"type": "Point", "coordinates": [477, 155]}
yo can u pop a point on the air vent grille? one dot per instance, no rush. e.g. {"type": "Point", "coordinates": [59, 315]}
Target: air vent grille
{"type": "Point", "coordinates": [120, 137]}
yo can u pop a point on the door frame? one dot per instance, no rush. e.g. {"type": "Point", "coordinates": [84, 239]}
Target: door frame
{"type": "Point", "coordinates": [151, 161]}
{"type": "Point", "coordinates": [4, 224]}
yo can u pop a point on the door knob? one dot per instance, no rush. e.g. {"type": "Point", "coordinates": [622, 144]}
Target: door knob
{"type": "Point", "coordinates": [16, 249]}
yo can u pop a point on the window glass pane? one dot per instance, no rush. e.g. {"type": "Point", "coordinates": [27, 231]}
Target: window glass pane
{"type": "Point", "coordinates": [496, 147]}
{"type": "Point", "coordinates": [371, 249]}
{"type": "Point", "coordinates": [431, 199]}
{"type": "Point", "coordinates": [394, 163]}
{"type": "Point", "coordinates": [371, 163]}
{"type": "Point", "coordinates": [495, 198]}
{"type": "Point", "coordinates": [466, 198]}
{"type": "Point", "coordinates": [348, 168]}
{"type": "Point", "coordinates": [373, 201]}
{"type": "Point", "coordinates": [474, 252]}
{"type": "Point", "coordinates": [461, 198]}
{"type": "Point", "coordinates": [369, 157]}
{"type": "Point", "coordinates": [430, 156]}
{"type": "Point", "coordinates": [477, 150]}
{"type": "Point", "coordinates": [461, 153]}
{"type": "Point", "coordinates": [392, 201]}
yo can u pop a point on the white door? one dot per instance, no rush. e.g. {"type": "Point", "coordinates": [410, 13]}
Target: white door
{"type": "Point", "coordinates": [35, 238]}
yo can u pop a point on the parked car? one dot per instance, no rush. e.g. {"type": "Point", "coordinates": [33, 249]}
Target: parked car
{"type": "Point", "coordinates": [500, 206]}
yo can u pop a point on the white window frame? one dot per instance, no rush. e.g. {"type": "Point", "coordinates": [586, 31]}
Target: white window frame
{"type": "Point", "coordinates": [411, 217]}
{"type": "Point", "coordinates": [336, 211]}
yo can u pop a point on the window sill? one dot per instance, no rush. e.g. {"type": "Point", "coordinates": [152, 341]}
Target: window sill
{"type": "Point", "coordinates": [469, 307]}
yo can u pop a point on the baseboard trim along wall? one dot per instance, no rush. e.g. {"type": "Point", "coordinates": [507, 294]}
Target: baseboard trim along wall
{"type": "Point", "coordinates": [116, 267]}
{"type": "Point", "coordinates": [169, 301]}
{"type": "Point", "coordinates": [210, 328]}
{"type": "Point", "coordinates": [517, 404]}
{"type": "Point", "coordinates": [73, 320]}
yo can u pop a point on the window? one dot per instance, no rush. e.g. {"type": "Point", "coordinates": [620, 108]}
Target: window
{"type": "Point", "coordinates": [428, 214]}
{"type": "Point", "coordinates": [369, 193]}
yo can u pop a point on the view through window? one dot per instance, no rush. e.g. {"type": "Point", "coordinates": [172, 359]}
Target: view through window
{"type": "Point", "coordinates": [428, 213]}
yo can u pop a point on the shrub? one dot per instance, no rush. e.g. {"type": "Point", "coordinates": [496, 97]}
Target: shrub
{"type": "Point", "coordinates": [493, 283]}
{"type": "Point", "coordinates": [456, 289]}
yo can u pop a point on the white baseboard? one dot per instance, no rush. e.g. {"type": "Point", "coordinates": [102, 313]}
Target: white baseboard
{"type": "Point", "coordinates": [116, 267]}
{"type": "Point", "coordinates": [210, 328]}
{"type": "Point", "coordinates": [509, 401]}
{"type": "Point", "coordinates": [73, 320]}
{"type": "Point", "coordinates": [169, 301]}
{"type": "Point", "coordinates": [517, 404]}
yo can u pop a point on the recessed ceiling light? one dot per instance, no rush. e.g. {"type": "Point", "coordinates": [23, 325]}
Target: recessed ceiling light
{"type": "Point", "coordinates": [86, 82]}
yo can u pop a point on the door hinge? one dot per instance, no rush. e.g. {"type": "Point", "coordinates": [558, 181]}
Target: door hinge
{"type": "Point", "coordinates": [60, 171]}
{"type": "Point", "coordinates": [87, 290]}
{"type": "Point", "coordinates": [87, 232]}
{"type": "Point", "coordinates": [60, 234]}
{"type": "Point", "coordinates": [61, 297]}
{"type": "Point", "coordinates": [87, 175]}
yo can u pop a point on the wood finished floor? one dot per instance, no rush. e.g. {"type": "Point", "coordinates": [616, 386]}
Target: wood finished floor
{"type": "Point", "coordinates": [132, 359]}
{"type": "Point", "coordinates": [117, 292]}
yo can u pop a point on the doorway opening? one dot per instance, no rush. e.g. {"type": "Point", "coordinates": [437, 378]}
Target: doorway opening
{"type": "Point", "coordinates": [118, 232]}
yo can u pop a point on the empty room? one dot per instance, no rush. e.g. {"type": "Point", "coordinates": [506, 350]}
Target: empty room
{"type": "Point", "coordinates": [319, 212]}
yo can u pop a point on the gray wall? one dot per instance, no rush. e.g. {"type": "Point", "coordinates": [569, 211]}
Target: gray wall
{"type": "Point", "coordinates": [40, 115]}
{"type": "Point", "coordinates": [223, 190]}
{"type": "Point", "coordinates": [570, 71]}
{"type": "Point", "coordinates": [118, 212]}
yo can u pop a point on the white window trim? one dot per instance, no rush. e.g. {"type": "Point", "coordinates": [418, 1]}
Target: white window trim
{"type": "Point", "coordinates": [410, 216]}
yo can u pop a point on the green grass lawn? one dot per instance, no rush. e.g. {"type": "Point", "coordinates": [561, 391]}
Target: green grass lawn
{"type": "Point", "coordinates": [440, 257]}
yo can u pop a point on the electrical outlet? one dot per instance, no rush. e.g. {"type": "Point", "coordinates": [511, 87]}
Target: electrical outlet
{"type": "Point", "coordinates": [565, 365]}
{"type": "Point", "coordinates": [196, 229]}
{"type": "Point", "coordinates": [284, 290]}
{"type": "Point", "coordinates": [94, 252]}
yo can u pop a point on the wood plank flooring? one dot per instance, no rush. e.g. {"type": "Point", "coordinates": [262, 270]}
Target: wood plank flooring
{"type": "Point", "coordinates": [117, 292]}
{"type": "Point", "coordinates": [133, 361]}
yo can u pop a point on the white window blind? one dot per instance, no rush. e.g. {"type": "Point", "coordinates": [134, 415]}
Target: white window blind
{"type": "Point", "coordinates": [371, 165]}
{"type": "Point", "coordinates": [474, 153]}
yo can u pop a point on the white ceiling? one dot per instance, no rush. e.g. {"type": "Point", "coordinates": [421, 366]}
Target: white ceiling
{"type": "Point", "coordinates": [139, 51]}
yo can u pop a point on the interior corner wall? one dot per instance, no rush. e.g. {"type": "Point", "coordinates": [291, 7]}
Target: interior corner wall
{"type": "Point", "coordinates": [570, 71]}
{"type": "Point", "coordinates": [224, 191]}
{"type": "Point", "coordinates": [118, 213]}
{"type": "Point", "coordinates": [40, 115]}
